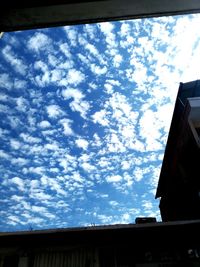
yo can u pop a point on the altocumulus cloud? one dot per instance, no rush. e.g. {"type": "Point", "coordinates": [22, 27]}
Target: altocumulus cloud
{"type": "Point", "coordinates": [85, 112]}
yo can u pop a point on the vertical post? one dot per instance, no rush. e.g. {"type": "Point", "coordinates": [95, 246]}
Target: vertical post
{"type": "Point", "coordinates": [23, 262]}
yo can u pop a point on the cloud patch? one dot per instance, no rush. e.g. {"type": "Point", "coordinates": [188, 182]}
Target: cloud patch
{"type": "Point", "coordinates": [39, 42]}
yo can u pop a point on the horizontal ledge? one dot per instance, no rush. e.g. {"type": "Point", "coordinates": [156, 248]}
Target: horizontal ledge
{"type": "Point", "coordinates": [12, 18]}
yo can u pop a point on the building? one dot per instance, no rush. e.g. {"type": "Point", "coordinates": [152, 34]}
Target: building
{"type": "Point", "coordinates": [132, 245]}
{"type": "Point", "coordinates": [179, 183]}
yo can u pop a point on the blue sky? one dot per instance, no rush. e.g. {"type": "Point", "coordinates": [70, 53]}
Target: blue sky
{"type": "Point", "coordinates": [85, 113]}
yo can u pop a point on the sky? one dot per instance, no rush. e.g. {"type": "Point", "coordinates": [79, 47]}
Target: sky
{"type": "Point", "coordinates": [85, 113]}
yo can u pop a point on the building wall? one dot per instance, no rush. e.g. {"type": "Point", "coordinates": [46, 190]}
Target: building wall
{"type": "Point", "coordinates": [179, 184]}
{"type": "Point", "coordinates": [48, 257]}
{"type": "Point", "coordinates": [128, 256]}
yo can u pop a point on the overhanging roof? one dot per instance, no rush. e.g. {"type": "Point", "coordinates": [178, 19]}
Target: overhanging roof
{"type": "Point", "coordinates": [149, 235]}
{"type": "Point", "coordinates": [21, 14]}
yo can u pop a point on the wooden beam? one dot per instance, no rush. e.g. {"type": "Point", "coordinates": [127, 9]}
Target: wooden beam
{"type": "Point", "coordinates": [56, 13]}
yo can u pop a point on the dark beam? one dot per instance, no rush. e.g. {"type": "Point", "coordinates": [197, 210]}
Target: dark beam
{"type": "Point", "coordinates": [43, 13]}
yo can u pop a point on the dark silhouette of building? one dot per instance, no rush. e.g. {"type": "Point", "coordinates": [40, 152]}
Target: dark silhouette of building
{"type": "Point", "coordinates": [133, 245]}
{"type": "Point", "coordinates": [179, 183]}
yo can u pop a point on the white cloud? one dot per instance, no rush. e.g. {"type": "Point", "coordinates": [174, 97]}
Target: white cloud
{"type": "Point", "coordinates": [53, 184]}
{"type": "Point", "coordinates": [18, 182]}
{"type": "Point", "coordinates": [71, 34]}
{"type": "Point", "coordinates": [78, 104]}
{"type": "Point", "coordinates": [40, 196]}
{"type": "Point", "coordinates": [91, 31]}
{"type": "Point", "coordinates": [137, 145]}
{"type": "Point", "coordinates": [128, 42]}
{"type": "Point", "coordinates": [101, 117]}
{"type": "Point", "coordinates": [105, 219]}
{"type": "Point", "coordinates": [82, 143]}
{"type": "Point", "coordinates": [52, 60]}
{"type": "Point", "coordinates": [147, 205]}
{"type": "Point", "coordinates": [5, 81]}
{"type": "Point", "coordinates": [4, 109]}
{"type": "Point", "coordinates": [22, 104]}
{"type": "Point", "coordinates": [66, 123]}
{"type": "Point", "coordinates": [125, 165]}
{"type": "Point", "coordinates": [4, 97]}
{"type": "Point", "coordinates": [93, 85]}
{"type": "Point", "coordinates": [49, 132]}
{"type": "Point", "coordinates": [138, 75]}
{"type": "Point", "coordinates": [128, 178]}
{"type": "Point", "coordinates": [96, 141]}
{"type": "Point", "coordinates": [36, 221]}
{"type": "Point", "coordinates": [65, 49]}
{"type": "Point", "coordinates": [82, 107]}
{"type": "Point", "coordinates": [44, 124]}
{"type": "Point", "coordinates": [72, 93]}
{"type": "Point", "coordinates": [113, 178]}
{"type": "Point", "coordinates": [18, 64]}
{"type": "Point", "coordinates": [138, 174]}
{"type": "Point", "coordinates": [77, 177]}
{"type": "Point", "coordinates": [119, 101]}
{"type": "Point", "coordinates": [87, 167]}
{"type": "Point", "coordinates": [128, 132]}
{"type": "Point", "coordinates": [68, 163]}
{"type": "Point", "coordinates": [114, 82]}
{"type": "Point", "coordinates": [114, 144]}
{"type": "Point", "coordinates": [107, 28]}
{"type": "Point", "coordinates": [54, 170]}
{"type": "Point", "coordinates": [39, 209]}
{"type": "Point", "coordinates": [84, 59]}
{"type": "Point", "coordinates": [126, 218]}
{"type": "Point", "coordinates": [14, 122]}
{"type": "Point", "coordinates": [4, 155]}
{"type": "Point", "coordinates": [98, 70]}
{"type": "Point", "coordinates": [108, 88]}
{"type": "Point", "coordinates": [13, 220]}
{"type": "Point", "coordinates": [43, 80]}
{"type": "Point", "coordinates": [75, 77]}
{"type": "Point", "coordinates": [17, 198]}
{"type": "Point", "coordinates": [103, 162]}
{"type": "Point", "coordinates": [54, 111]}
{"type": "Point", "coordinates": [117, 60]}
{"type": "Point", "coordinates": [37, 170]}
{"type": "Point", "coordinates": [57, 75]}
{"type": "Point", "coordinates": [150, 130]}
{"type": "Point", "coordinates": [40, 65]}
{"type": "Point", "coordinates": [20, 161]}
{"type": "Point", "coordinates": [34, 184]}
{"type": "Point", "coordinates": [53, 146]}
{"type": "Point", "coordinates": [93, 50]}
{"type": "Point", "coordinates": [39, 42]}
{"type": "Point", "coordinates": [30, 139]}
{"type": "Point", "coordinates": [125, 29]}
{"type": "Point", "coordinates": [20, 84]}
{"type": "Point", "coordinates": [113, 203]}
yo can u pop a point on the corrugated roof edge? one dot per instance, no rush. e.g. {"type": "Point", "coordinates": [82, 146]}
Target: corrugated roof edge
{"type": "Point", "coordinates": [100, 228]}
